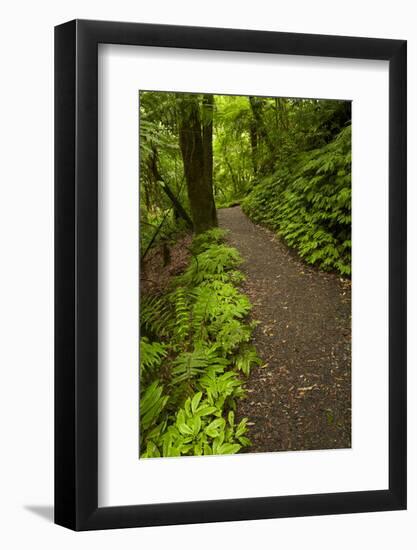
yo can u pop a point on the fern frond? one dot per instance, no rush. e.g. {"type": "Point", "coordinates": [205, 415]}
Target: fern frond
{"type": "Point", "coordinates": [203, 241]}
{"type": "Point", "coordinates": [152, 403]}
{"type": "Point", "coordinates": [156, 316]}
{"type": "Point", "coordinates": [246, 359]}
{"type": "Point", "coordinates": [151, 355]}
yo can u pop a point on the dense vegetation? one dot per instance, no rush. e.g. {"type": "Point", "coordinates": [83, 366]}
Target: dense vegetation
{"type": "Point", "coordinates": [308, 202]}
{"type": "Point", "coordinates": [287, 162]}
{"type": "Point", "coordinates": [194, 343]}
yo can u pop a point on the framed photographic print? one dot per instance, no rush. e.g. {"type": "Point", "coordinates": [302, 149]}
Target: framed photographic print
{"type": "Point", "coordinates": [230, 252]}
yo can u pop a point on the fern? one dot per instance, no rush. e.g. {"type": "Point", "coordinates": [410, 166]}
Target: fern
{"type": "Point", "coordinates": [220, 387]}
{"type": "Point", "coordinates": [152, 403]}
{"type": "Point", "coordinates": [151, 355]}
{"type": "Point", "coordinates": [189, 365]}
{"type": "Point", "coordinates": [309, 205]}
{"type": "Point", "coordinates": [156, 316]}
{"type": "Point", "coordinates": [195, 341]}
{"type": "Point", "coordinates": [246, 359]}
{"type": "Point", "coordinates": [213, 263]}
{"type": "Point", "coordinates": [203, 241]}
{"type": "Point", "coordinates": [232, 334]}
{"type": "Point", "coordinates": [180, 300]}
{"type": "Point", "coordinates": [216, 303]}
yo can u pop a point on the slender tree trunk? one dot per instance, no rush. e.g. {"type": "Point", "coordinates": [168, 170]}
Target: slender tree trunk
{"type": "Point", "coordinates": [257, 108]}
{"type": "Point", "coordinates": [276, 114]}
{"type": "Point", "coordinates": [207, 134]}
{"type": "Point", "coordinates": [254, 146]}
{"type": "Point", "coordinates": [178, 208]}
{"type": "Point", "coordinates": [283, 113]}
{"type": "Point", "coordinates": [197, 157]}
{"type": "Point", "coordinates": [265, 164]}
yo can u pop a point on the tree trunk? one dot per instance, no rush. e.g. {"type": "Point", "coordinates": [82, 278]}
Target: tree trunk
{"type": "Point", "coordinates": [257, 105]}
{"type": "Point", "coordinates": [257, 108]}
{"type": "Point", "coordinates": [254, 146]}
{"type": "Point", "coordinates": [178, 208]}
{"type": "Point", "coordinates": [207, 134]}
{"type": "Point", "coordinates": [197, 157]}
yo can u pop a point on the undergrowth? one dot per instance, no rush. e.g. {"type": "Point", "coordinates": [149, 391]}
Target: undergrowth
{"type": "Point", "coordinates": [308, 202]}
{"type": "Point", "coordinates": [194, 348]}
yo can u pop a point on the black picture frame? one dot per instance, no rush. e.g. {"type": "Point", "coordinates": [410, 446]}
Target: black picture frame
{"type": "Point", "coordinates": [76, 272]}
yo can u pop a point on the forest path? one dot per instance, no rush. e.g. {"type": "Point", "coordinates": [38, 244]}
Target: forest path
{"type": "Point", "coordinates": [301, 396]}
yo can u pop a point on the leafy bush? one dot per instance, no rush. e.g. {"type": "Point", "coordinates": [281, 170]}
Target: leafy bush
{"type": "Point", "coordinates": [308, 202]}
{"type": "Point", "coordinates": [195, 343]}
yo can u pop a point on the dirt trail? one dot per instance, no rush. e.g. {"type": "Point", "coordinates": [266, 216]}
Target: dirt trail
{"type": "Point", "coordinates": [301, 398]}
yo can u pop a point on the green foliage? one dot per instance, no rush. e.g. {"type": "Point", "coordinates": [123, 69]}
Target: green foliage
{"type": "Point", "coordinates": [233, 164]}
{"type": "Point", "coordinates": [287, 161]}
{"type": "Point", "coordinates": [155, 316]}
{"type": "Point", "coordinates": [214, 263]}
{"type": "Point", "coordinates": [217, 313]}
{"type": "Point", "coordinates": [246, 359]}
{"type": "Point", "coordinates": [159, 226]}
{"type": "Point", "coordinates": [309, 204]}
{"type": "Point", "coordinates": [203, 241]}
{"type": "Point", "coordinates": [151, 355]}
{"type": "Point", "coordinates": [194, 344]}
{"type": "Point", "coordinates": [160, 166]}
{"type": "Point", "coordinates": [152, 402]}
{"type": "Point", "coordinates": [191, 364]}
{"type": "Point", "coordinates": [221, 388]}
{"type": "Point", "coordinates": [198, 429]}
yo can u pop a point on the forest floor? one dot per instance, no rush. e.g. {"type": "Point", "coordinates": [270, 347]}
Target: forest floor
{"type": "Point", "coordinates": [300, 396]}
